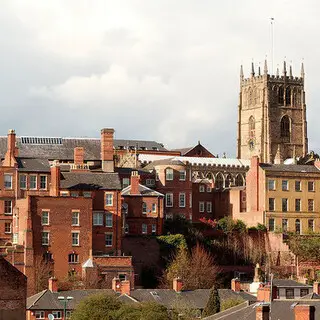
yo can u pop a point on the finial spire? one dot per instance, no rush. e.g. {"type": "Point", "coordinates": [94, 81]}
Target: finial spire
{"type": "Point", "coordinates": [290, 72]}
{"type": "Point", "coordinates": [277, 73]}
{"type": "Point", "coordinates": [302, 70]}
{"type": "Point", "coordinates": [265, 67]}
{"type": "Point", "coordinates": [259, 71]}
{"type": "Point", "coordinates": [252, 69]}
{"type": "Point", "coordinates": [284, 68]}
{"type": "Point", "coordinates": [241, 72]}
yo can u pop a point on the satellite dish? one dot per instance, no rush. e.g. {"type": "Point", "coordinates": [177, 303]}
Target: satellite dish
{"type": "Point", "coordinates": [50, 316]}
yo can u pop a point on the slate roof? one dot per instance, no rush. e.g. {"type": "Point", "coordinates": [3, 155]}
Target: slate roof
{"type": "Point", "coordinates": [65, 150]}
{"type": "Point", "coordinates": [144, 191]}
{"type": "Point", "coordinates": [47, 300]}
{"type": "Point", "coordinates": [287, 283]}
{"type": "Point", "coordinates": [303, 168]}
{"type": "Point", "coordinates": [168, 161]}
{"type": "Point", "coordinates": [33, 165]}
{"type": "Point", "coordinates": [183, 151]}
{"type": "Point", "coordinates": [90, 181]}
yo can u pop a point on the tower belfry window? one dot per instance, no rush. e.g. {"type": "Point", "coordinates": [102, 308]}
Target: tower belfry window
{"type": "Point", "coordinates": [285, 127]}
{"type": "Point", "coordinates": [252, 127]}
{"type": "Point", "coordinates": [280, 95]}
{"type": "Point", "coordinates": [288, 96]}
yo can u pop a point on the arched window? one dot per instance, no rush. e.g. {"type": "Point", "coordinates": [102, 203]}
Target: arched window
{"type": "Point", "coordinates": [285, 127]}
{"type": "Point", "coordinates": [144, 208]}
{"type": "Point", "coordinates": [210, 176]}
{"type": "Point", "coordinates": [239, 180]}
{"type": "Point", "coordinates": [219, 184]}
{"type": "Point", "coordinates": [288, 96]}
{"type": "Point", "coordinates": [73, 258]}
{"type": "Point", "coordinates": [228, 181]}
{"type": "Point", "coordinates": [47, 257]}
{"type": "Point", "coordinates": [280, 95]}
{"type": "Point", "coordinates": [250, 97]}
{"type": "Point", "coordinates": [252, 127]}
{"type": "Point", "coordinates": [298, 226]}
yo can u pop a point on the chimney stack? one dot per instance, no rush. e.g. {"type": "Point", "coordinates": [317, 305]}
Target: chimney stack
{"type": "Point", "coordinates": [125, 287]}
{"type": "Point", "coordinates": [236, 285]}
{"type": "Point", "coordinates": [107, 150]}
{"type": "Point", "coordinates": [116, 285]}
{"type": "Point", "coordinates": [304, 312]}
{"type": "Point", "coordinates": [262, 312]}
{"type": "Point", "coordinates": [55, 179]}
{"type": "Point", "coordinates": [177, 284]}
{"type": "Point", "coordinates": [264, 293]}
{"type": "Point", "coordinates": [12, 150]}
{"type": "Point", "coordinates": [78, 155]}
{"type": "Point", "coordinates": [53, 284]}
{"type": "Point", "coordinates": [135, 179]}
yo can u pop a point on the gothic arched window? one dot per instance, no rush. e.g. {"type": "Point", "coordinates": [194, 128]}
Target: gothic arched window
{"type": "Point", "coordinates": [285, 127]}
{"type": "Point", "coordinates": [228, 181]}
{"type": "Point", "coordinates": [252, 127]}
{"type": "Point", "coordinates": [288, 96]}
{"type": "Point", "coordinates": [239, 180]}
{"type": "Point", "coordinates": [219, 181]}
{"type": "Point", "coordinates": [280, 95]}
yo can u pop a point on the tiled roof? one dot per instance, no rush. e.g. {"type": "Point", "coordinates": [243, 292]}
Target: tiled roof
{"type": "Point", "coordinates": [90, 181]}
{"type": "Point", "coordinates": [289, 283]}
{"type": "Point", "coordinates": [33, 165]}
{"type": "Point", "coordinates": [144, 191]}
{"type": "Point", "coordinates": [304, 168]}
{"type": "Point", "coordinates": [65, 150]}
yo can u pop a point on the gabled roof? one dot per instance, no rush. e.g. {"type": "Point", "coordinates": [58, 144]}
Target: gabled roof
{"type": "Point", "coordinates": [288, 283]}
{"type": "Point", "coordinates": [299, 168]}
{"type": "Point", "coordinates": [144, 191]}
{"type": "Point", "coordinates": [90, 181]}
{"type": "Point", "coordinates": [33, 165]}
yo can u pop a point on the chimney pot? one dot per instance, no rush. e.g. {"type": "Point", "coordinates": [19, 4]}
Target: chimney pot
{"type": "Point", "coordinates": [236, 285]}
{"type": "Point", "coordinates": [53, 284]}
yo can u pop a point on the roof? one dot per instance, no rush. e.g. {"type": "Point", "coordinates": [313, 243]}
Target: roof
{"type": "Point", "coordinates": [164, 162]}
{"type": "Point", "coordinates": [303, 168]}
{"type": "Point", "coordinates": [90, 181]}
{"type": "Point", "coordinates": [47, 300]}
{"type": "Point", "coordinates": [287, 283]}
{"type": "Point", "coordinates": [64, 147]}
{"type": "Point", "coordinates": [33, 165]}
{"type": "Point", "coordinates": [144, 191]}
{"type": "Point", "coordinates": [183, 151]}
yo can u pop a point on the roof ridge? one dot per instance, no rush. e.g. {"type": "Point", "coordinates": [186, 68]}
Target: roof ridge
{"type": "Point", "coordinates": [40, 296]}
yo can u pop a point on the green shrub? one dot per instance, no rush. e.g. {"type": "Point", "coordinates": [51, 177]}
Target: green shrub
{"type": "Point", "coordinates": [229, 303]}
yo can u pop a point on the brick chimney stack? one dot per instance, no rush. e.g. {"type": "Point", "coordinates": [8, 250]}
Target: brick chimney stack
{"type": "Point", "coordinates": [304, 312]}
{"type": "Point", "coordinates": [236, 285]}
{"type": "Point", "coordinates": [107, 150]}
{"type": "Point", "coordinates": [135, 180]}
{"type": "Point", "coordinates": [177, 284]}
{"type": "Point", "coordinates": [262, 312]}
{"type": "Point", "coordinates": [125, 287]}
{"type": "Point", "coordinates": [12, 150]}
{"type": "Point", "coordinates": [264, 293]}
{"type": "Point", "coordinates": [55, 179]}
{"type": "Point", "coordinates": [53, 284]}
{"type": "Point", "coordinates": [116, 285]}
{"type": "Point", "coordinates": [78, 155]}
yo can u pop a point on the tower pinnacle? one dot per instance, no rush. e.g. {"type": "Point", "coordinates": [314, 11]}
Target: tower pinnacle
{"type": "Point", "coordinates": [284, 68]}
{"type": "Point", "coordinates": [252, 69]}
{"type": "Point", "coordinates": [302, 70]}
{"type": "Point", "coordinates": [241, 72]}
{"type": "Point", "coordinates": [265, 67]}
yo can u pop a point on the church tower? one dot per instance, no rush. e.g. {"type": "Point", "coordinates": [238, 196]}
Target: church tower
{"type": "Point", "coordinates": [272, 120]}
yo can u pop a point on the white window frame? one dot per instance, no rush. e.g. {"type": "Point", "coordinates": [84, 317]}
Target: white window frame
{"type": "Point", "coordinates": [25, 182]}
{"type": "Point", "coordinates": [75, 216]}
{"type": "Point", "coordinates": [39, 315]}
{"type": "Point", "coordinates": [157, 175]}
{"type": "Point", "coordinates": [46, 182]}
{"type": "Point", "coordinates": [97, 219]}
{"type": "Point", "coordinates": [209, 207]}
{"type": "Point", "coordinates": [7, 184]}
{"type": "Point", "coordinates": [274, 204]}
{"type": "Point", "coordinates": [105, 239]}
{"type": "Point", "coordinates": [144, 208]}
{"type": "Point", "coordinates": [77, 238]}
{"type": "Point", "coordinates": [64, 193]}
{"type": "Point", "coordinates": [47, 243]}
{"type": "Point", "coordinates": [48, 217]}
{"type": "Point", "coordinates": [36, 181]}
{"type": "Point", "coordinates": [108, 196]}
{"type": "Point", "coordinates": [125, 182]}
{"type": "Point", "coordinates": [57, 314]}
{"type": "Point", "coordinates": [201, 188]}
{"type": "Point", "coordinates": [154, 228]}
{"type": "Point", "coordinates": [108, 220]}
{"type": "Point", "coordinates": [295, 185]}
{"type": "Point", "coordinates": [8, 213]}
{"type": "Point", "coordinates": [169, 196]}
{"type": "Point", "coordinates": [313, 186]}
{"type": "Point", "coordinates": [201, 206]}
{"type": "Point", "coordinates": [126, 228]}
{"type": "Point", "coordinates": [209, 189]}
{"type": "Point", "coordinates": [182, 200]}
{"type": "Point", "coordinates": [74, 256]}
{"type": "Point", "coordinates": [285, 185]}
{"type": "Point", "coordinates": [5, 228]}
{"type": "Point", "coordinates": [154, 207]}
{"type": "Point", "coordinates": [182, 175]}
{"type": "Point", "coordinates": [87, 194]}
{"type": "Point", "coordinates": [271, 184]}
{"type": "Point", "coordinates": [274, 224]}
{"type": "Point", "coordinates": [74, 194]}
{"type": "Point", "coordinates": [169, 174]}
{"type": "Point", "coordinates": [144, 228]}
{"type": "Point", "coordinates": [150, 182]}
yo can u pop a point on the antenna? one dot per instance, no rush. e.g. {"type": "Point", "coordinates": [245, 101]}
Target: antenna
{"type": "Point", "coordinates": [272, 43]}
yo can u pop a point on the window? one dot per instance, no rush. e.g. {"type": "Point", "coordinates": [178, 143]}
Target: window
{"type": "Point", "coordinates": [297, 185]}
{"type": "Point", "coordinates": [182, 200]}
{"type": "Point", "coordinates": [39, 315]}
{"type": "Point", "coordinates": [271, 224]}
{"type": "Point", "coordinates": [125, 182]}
{"type": "Point", "coordinates": [209, 207]}
{"type": "Point", "coordinates": [33, 182]}
{"type": "Point", "coordinates": [45, 238]}
{"type": "Point", "coordinates": [75, 238]}
{"type": "Point", "coordinates": [157, 175]}
{"type": "Point", "coordinates": [310, 186]}
{"type": "Point", "coordinates": [144, 228]}
{"type": "Point", "coordinates": [284, 205]}
{"type": "Point", "coordinates": [150, 182]}
{"type": "Point", "coordinates": [109, 219]}
{"type": "Point", "coordinates": [219, 183]}
{"type": "Point", "coordinates": [298, 205]}
{"type": "Point", "coordinates": [284, 225]}
{"type": "Point", "coordinates": [251, 127]}
{"type": "Point", "coordinates": [289, 293]}
{"type": "Point", "coordinates": [201, 188]}
{"type": "Point", "coordinates": [154, 228]}
{"type": "Point", "coordinates": [126, 228]}
{"type": "Point", "coordinates": [154, 207]}
{"type": "Point", "coordinates": [285, 185]}
{"type": "Point", "coordinates": [271, 204]}
{"type": "Point", "coordinates": [57, 314]}
{"type": "Point", "coordinates": [98, 218]}
{"type": "Point", "coordinates": [108, 239]}
{"type": "Point", "coordinates": [109, 199]}
{"type": "Point", "coordinates": [182, 175]}
{"type": "Point", "coordinates": [281, 95]}
{"type": "Point", "coordinates": [68, 314]}
{"type": "Point", "coordinates": [43, 182]}
{"type": "Point", "coordinates": [7, 227]}
{"type": "Point", "coordinates": [47, 256]}
{"type": "Point", "coordinates": [23, 184]}
{"type": "Point", "coordinates": [73, 258]}
{"type": "Point", "coordinates": [144, 208]}
{"type": "Point", "coordinates": [311, 225]}
{"type": "Point", "coordinates": [45, 218]}
{"type": "Point", "coordinates": [271, 184]}
{"type": "Point", "coordinates": [74, 194]}
{"type": "Point", "coordinates": [8, 181]}
{"type": "Point", "coordinates": [64, 193]}
{"type": "Point", "coordinates": [87, 194]}
{"type": "Point", "coordinates": [169, 200]}
{"type": "Point", "coordinates": [297, 226]}
{"type": "Point", "coordinates": [75, 218]}
{"type": "Point", "coordinates": [201, 206]}
{"type": "Point", "coordinates": [169, 174]}
{"type": "Point", "coordinates": [304, 292]}
{"type": "Point", "coordinates": [190, 200]}
{"type": "Point", "coordinates": [209, 189]}
{"type": "Point", "coordinates": [288, 96]}
{"type": "Point", "coordinates": [310, 205]}
{"type": "Point", "coordinates": [7, 207]}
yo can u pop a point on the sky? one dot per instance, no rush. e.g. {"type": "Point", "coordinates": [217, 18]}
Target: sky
{"type": "Point", "coordinates": [164, 70]}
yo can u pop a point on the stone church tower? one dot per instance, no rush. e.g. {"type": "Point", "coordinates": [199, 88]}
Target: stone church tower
{"type": "Point", "coordinates": [272, 116]}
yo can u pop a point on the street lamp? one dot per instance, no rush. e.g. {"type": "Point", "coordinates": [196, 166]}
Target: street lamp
{"type": "Point", "coordinates": [65, 301]}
